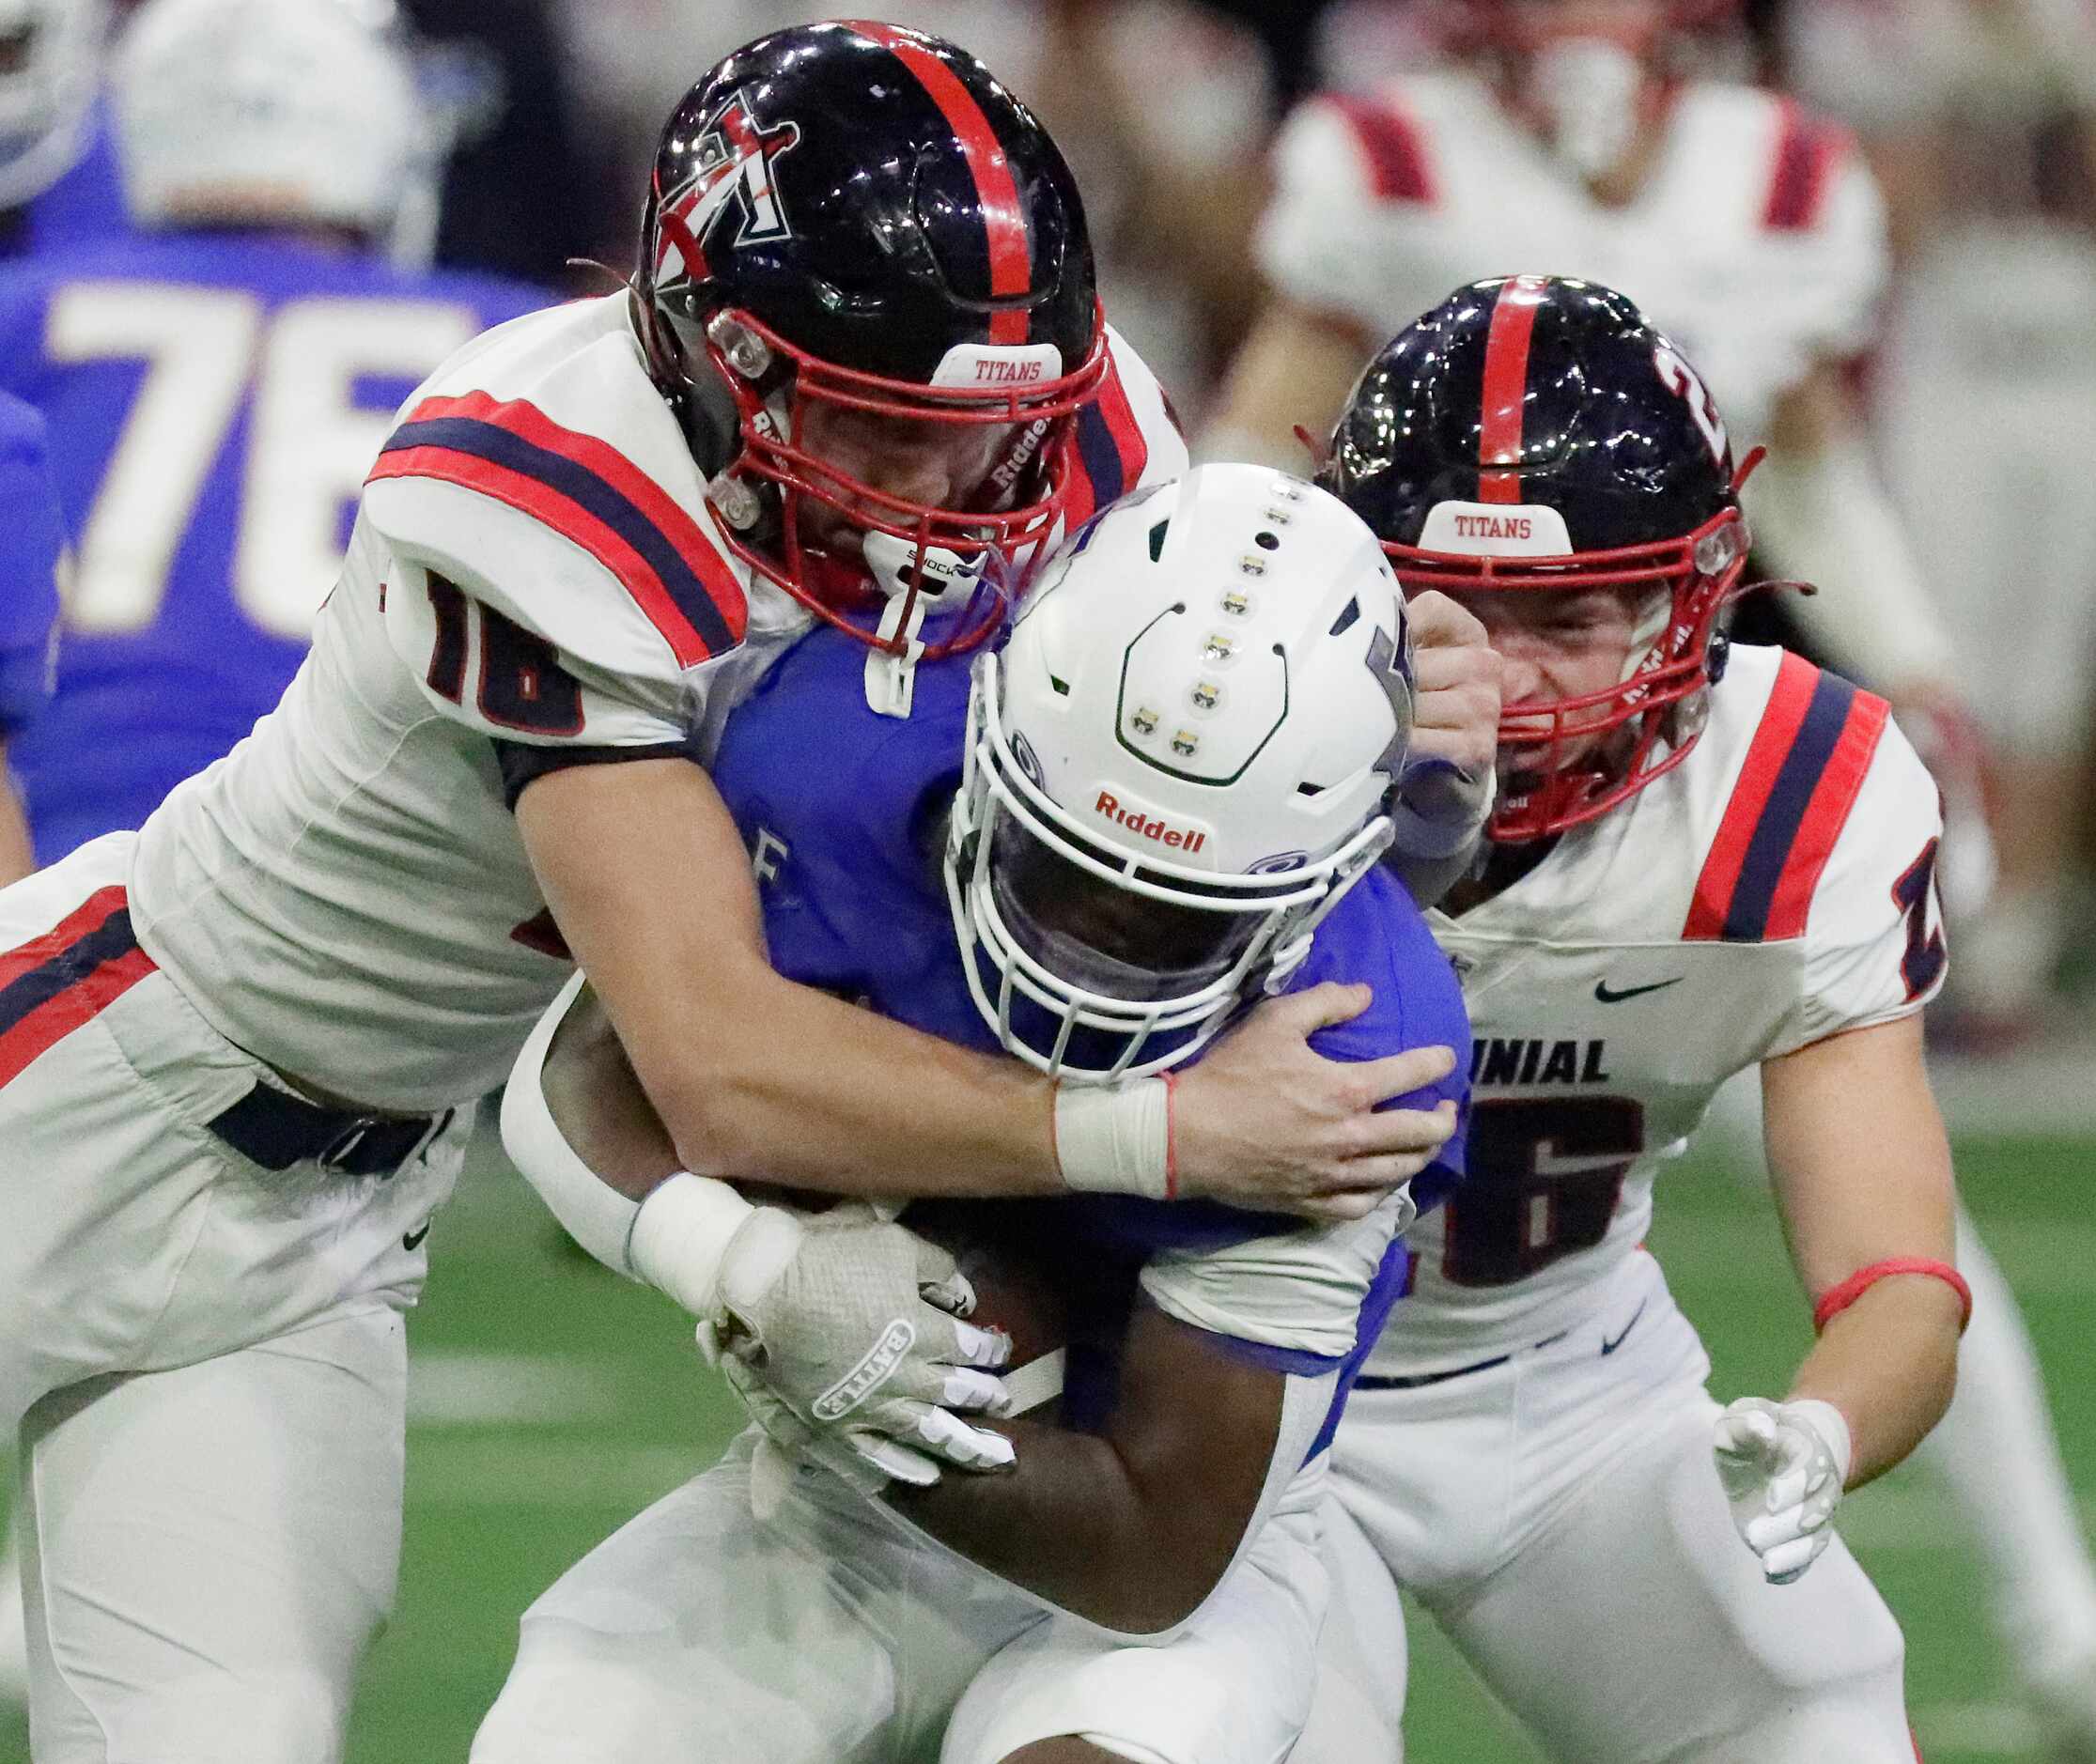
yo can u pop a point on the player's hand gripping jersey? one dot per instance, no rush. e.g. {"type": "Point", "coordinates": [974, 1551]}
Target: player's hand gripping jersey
{"type": "Point", "coordinates": [840, 809]}
{"type": "Point", "coordinates": [1618, 984]}
{"type": "Point", "coordinates": [536, 564]}
{"type": "Point", "coordinates": [1758, 243]}
{"type": "Point", "coordinates": [214, 399]}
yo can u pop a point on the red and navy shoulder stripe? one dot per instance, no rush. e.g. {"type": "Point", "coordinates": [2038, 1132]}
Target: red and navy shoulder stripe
{"type": "Point", "coordinates": [1110, 449]}
{"type": "Point", "coordinates": [587, 491]}
{"type": "Point", "coordinates": [1803, 771]}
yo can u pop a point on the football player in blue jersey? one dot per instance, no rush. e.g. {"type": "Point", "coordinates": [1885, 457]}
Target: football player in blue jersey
{"type": "Point", "coordinates": [48, 128]}
{"type": "Point", "coordinates": [1164, 796]}
{"type": "Point", "coordinates": [32, 536]}
{"type": "Point", "coordinates": [217, 381]}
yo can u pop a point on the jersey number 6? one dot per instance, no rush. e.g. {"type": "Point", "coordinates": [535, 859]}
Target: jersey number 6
{"type": "Point", "coordinates": [1545, 1174]}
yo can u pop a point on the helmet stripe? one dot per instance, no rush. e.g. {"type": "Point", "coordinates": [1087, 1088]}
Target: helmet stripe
{"type": "Point", "coordinates": [1004, 216]}
{"type": "Point", "coordinates": [1506, 387]}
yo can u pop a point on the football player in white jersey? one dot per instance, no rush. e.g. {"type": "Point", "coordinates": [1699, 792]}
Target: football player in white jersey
{"type": "Point", "coordinates": [1148, 1577]}
{"type": "Point", "coordinates": [1703, 860]}
{"type": "Point", "coordinates": [861, 347]}
{"type": "Point", "coordinates": [1582, 134]}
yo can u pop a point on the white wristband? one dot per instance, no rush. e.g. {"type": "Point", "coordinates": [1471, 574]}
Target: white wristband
{"type": "Point", "coordinates": [1117, 1140]}
{"type": "Point", "coordinates": [680, 1236]}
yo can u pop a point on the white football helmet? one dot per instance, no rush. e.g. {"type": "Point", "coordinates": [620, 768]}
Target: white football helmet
{"type": "Point", "coordinates": [48, 51]}
{"type": "Point", "coordinates": [1175, 768]}
{"type": "Point", "coordinates": [268, 111]}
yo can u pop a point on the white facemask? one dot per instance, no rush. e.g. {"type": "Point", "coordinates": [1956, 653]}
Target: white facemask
{"type": "Point", "coordinates": [1588, 89]}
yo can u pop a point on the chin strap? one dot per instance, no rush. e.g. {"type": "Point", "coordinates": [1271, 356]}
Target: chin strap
{"type": "Point", "coordinates": [891, 562]}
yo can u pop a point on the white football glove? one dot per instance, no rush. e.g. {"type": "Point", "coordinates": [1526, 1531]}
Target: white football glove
{"type": "Point", "coordinates": [1783, 1466]}
{"type": "Point", "coordinates": [854, 1325]}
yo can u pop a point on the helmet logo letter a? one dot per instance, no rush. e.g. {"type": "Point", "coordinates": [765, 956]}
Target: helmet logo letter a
{"type": "Point", "coordinates": [733, 173]}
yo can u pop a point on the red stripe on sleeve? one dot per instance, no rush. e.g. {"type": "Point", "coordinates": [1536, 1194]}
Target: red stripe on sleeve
{"type": "Point", "coordinates": [1391, 146]}
{"type": "Point", "coordinates": [1506, 387]}
{"type": "Point", "coordinates": [1808, 149]}
{"type": "Point", "coordinates": [1795, 681]}
{"type": "Point", "coordinates": [1826, 816]}
{"type": "Point", "coordinates": [1004, 217]}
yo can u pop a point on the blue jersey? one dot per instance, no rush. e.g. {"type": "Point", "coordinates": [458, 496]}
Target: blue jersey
{"type": "Point", "coordinates": [840, 808]}
{"type": "Point", "coordinates": [214, 402]}
{"type": "Point", "coordinates": [32, 536]}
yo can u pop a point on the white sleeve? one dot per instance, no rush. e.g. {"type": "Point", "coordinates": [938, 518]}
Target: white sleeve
{"type": "Point", "coordinates": [517, 630]}
{"type": "Point", "coordinates": [1329, 240]}
{"type": "Point", "coordinates": [1873, 938]}
{"type": "Point", "coordinates": [1300, 1293]}
{"type": "Point", "coordinates": [1850, 247]}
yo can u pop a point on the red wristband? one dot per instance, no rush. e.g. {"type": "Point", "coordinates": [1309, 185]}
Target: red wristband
{"type": "Point", "coordinates": [1837, 1299]}
{"type": "Point", "coordinates": [1171, 1135]}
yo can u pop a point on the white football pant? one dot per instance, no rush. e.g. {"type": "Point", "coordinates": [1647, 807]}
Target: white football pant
{"type": "Point", "coordinates": [1560, 1515]}
{"type": "Point", "coordinates": [205, 1361]}
{"type": "Point", "coordinates": [829, 1632]}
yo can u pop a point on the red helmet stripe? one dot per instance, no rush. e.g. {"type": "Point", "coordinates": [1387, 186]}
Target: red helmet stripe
{"type": "Point", "coordinates": [1004, 216]}
{"type": "Point", "coordinates": [1506, 387]}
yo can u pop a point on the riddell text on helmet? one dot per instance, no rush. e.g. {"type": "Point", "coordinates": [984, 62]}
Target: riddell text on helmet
{"type": "Point", "coordinates": [1148, 826]}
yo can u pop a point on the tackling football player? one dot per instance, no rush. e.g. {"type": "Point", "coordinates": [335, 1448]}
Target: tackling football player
{"type": "Point", "coordinates": [861, 358]}
{"type": "Point", "coordinates": [1706, 859]}
{"type": "Point", "coordinates": [1162, 797]}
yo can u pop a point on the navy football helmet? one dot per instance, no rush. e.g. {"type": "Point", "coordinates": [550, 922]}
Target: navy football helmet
{"type": "Point", "coordinates": [1536, 435]}
{"type": "Point", "coordinates": [859, 217]}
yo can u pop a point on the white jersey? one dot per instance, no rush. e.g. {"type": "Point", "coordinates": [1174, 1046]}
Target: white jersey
{"type": "Point", "coordinates": [1756, 243]}
{"type": "Point", "coordinates": [346, 895]}
{"type": "Point", "coordinates": [1773, 889]}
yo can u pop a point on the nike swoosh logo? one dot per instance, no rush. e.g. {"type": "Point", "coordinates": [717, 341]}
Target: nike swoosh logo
{"type": "Point", "coordinates": [1604, 995]}
{"type": "Point", "coordinates": [1610, 1347]}
{"type": "Point", "coordinates": [413, 1239]}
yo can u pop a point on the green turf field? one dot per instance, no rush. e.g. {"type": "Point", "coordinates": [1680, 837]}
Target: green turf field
{"type": "Point", "coordinates": [552, 1402]}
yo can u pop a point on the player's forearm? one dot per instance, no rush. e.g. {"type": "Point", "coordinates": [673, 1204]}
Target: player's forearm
{"type": "Point", "coordinates": [1073, 1524]}
{"type": "Point", "coordinates": [1889, 1363]}
{"type": "Point", "coordinates": [796, 1087]}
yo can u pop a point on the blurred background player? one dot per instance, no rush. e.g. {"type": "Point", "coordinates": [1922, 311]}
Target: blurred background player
{"type": "Point", "coordinates": [1980, 117]}
{"type": "Point", "coordinates": [1590, 137]}
{"type": "Point", "coordinates": [218, 377]}
{"type": "Point", "coordinates": [50, 63]}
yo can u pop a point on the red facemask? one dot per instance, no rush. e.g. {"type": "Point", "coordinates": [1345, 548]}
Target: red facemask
{"type": "Point", "coordinates": [1578, 757]}
{"type": "Point", "coordinates": [936, 551]}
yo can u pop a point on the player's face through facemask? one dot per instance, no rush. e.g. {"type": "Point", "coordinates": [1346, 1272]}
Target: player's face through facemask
{"type": "Point", "coordinates": [942, 464]}
{"type": "Point", "coordinates": [1557, 647]}
{"type": "Point", "coordinates": [1585, 72]}
{"type": "Point", "coordinates": [1105, 939]}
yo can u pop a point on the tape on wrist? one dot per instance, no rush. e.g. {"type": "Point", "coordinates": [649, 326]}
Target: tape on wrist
{"type": "Point", "coordinates": [1837, 1299]}
{"type": "Point", "coordinates": [1437, 810]}
{"type": "Point", "coordinates": [681, 1235]}
{"type": "Point", "coordinates": [1117, 1140]}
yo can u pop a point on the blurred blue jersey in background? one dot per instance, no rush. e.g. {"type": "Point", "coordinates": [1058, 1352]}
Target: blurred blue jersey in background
{"type": "Point", "coordinates": [32, 536]}
{"type": "Point", "coordinates": [214, 399]}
